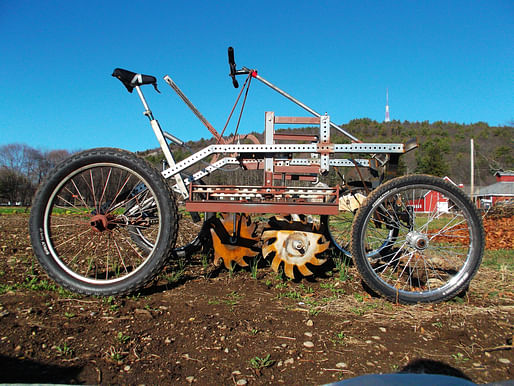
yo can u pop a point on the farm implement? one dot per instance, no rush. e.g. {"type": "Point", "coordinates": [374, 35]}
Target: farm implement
{"type": "Point", "coordinates": [105, 222]}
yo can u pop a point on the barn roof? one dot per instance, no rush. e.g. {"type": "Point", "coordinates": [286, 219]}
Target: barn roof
{"type": "Point", "coordinates": [503, 188]}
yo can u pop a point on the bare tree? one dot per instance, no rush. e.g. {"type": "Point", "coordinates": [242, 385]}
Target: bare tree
{"type": "Point", "coordinates": [22, 168]}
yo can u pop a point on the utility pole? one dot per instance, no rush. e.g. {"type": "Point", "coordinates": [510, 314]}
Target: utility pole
{"type": "Point", "coordinates": [387, 119]}
{"type": "Point", "coordinates": [472, 171]}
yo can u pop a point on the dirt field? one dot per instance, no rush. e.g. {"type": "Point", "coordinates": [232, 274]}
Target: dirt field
{"type": "Point", "coordinates": [208, 326]}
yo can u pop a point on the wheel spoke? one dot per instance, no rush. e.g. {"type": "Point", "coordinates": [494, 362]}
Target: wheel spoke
{"type": "Point", "coordinates": [432, 254]}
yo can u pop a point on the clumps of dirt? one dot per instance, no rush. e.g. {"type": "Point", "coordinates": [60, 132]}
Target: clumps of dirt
{"type": "Point", "coordinates": [503, 209]}
{"type": "Point", "coordinates": [201, 325]}
{"type": "Point", "coordinates": [499, 232]}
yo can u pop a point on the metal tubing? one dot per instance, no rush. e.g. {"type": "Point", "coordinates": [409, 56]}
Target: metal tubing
{"type": "Point", "coordinates": [189, 104]}
{"type": "Point", "coordinates": [173, 139]}
{"type": "Point", "coordinates": [304, 106]}
{"type": "Point", "coordinates": [147, 111]}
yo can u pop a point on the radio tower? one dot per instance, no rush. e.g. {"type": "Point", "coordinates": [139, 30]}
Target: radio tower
{"type": "Point", "coordinates": [387, 119]}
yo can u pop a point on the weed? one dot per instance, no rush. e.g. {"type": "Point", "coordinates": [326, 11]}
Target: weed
{"type": "Point", "coordinates": [69, 315]}
{"type": "Point", "coordinates": [358, 297]}
{"type": "Point", "coordinates": [459, 357]}
{"type": "Point", "coordinates": [33, 283]}
{"type": "Point", "coordinates": [115, 354]}
{"type": "Point", "coordinates": [281, 285]}
{"type": "Point", "coordinates": [307, 290]}
{"type": "Point", "coordinates": [175, 276]}
{"type": "Point", "coordinates": [314, 311]}
{"type": "Point", "coordinates": [214, 301]}
{"type": "Point", "coordinates": [110, 301]}
{"type": "Point", "coordinates": [4, 288]}
{"type": "Point", "coordinates": [342, 264]}
{"type": "Point", "coordinates": [357, 311]}
{"type": "Point", "coordinates": [254, 331]}
{"type": "Point", "coordinates": [64, 350]}
{"type": "Point", "coordinates": [253, 267]}
{"type": "Point", "coordinates": [205, 261]}
{"type": "Point", "coordinates": [437, 324]}
{"type": "Point", "coordinates": [268, 283]}
{"type": "Point", "coordinates": [122, 338]}
{"type": "Point", "coordinates": [65, 294]}
{"type": "Point", "coordinates": [260, 363]}
{"type": "Point", "coordinates": [233, 299]}
{"type": "Point", "coordinates": [339, 338]}
{"type": "Point", "coordinates": [332, 288]}
{"type": "Point", "coordinates": [291, 294]}
{"type": "Point", "coordinates": [340, 335]}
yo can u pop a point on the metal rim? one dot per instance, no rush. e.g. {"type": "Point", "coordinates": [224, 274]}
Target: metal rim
{"type": "Point", "coordinates": [423, 250]}
{"type": "Point", "coordinates": [49, 229]}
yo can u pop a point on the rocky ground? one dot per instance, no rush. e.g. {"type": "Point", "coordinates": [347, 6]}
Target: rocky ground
{"type": "Point", "coordinates": [201, 325]}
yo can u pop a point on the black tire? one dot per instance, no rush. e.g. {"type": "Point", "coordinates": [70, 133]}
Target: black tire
{"type": "Point", "coordinates": [83, 215]}
{"type": "Point", "coordinates": [435, 253]}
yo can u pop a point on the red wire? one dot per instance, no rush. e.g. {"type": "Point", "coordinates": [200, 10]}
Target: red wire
{"type": "Point", "coordinates": [234, 107]}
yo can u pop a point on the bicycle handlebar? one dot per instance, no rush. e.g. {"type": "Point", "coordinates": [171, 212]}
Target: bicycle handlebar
{"type": "Point", "coordinates": [232, 64]}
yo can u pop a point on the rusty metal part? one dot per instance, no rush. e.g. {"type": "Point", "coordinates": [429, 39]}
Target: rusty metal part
{"type": "Point", "coordinates": [257, 199]}
{"type": "Point", "coordinates": [233, 239]}
{"type": "Point", "coordinates": [296, 246]}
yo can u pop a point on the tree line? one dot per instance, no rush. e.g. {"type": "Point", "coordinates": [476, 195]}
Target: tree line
{"type": "Point", "coordinates": [22, 168]}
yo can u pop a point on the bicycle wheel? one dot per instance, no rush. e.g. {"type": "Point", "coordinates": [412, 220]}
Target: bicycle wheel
{"type": "Point", "coordinates": [84, 215]}
{"type": "Point", "coordinates": [188, 242]}
{"type": "Point", "coordinates": [438, 245]}
{"type": "Point", "coordinates": [338, 227]}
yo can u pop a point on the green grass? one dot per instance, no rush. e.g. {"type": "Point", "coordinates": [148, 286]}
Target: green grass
{"type": "Point", "coordinates": [14, 210]}
{"type": "Point", "coordinates": [500, 259]}
{"type": "Point", "coordinates": [260, 363]}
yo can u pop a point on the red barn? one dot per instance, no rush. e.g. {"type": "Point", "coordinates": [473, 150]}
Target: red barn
{"type": "Point", "coordinates": [502, 190]}
{"type": "Point", "coordinates": [432, 201]}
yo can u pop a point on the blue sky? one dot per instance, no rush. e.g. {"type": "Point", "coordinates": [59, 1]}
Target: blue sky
{"type": "Point", "coordinates": [440, 60]}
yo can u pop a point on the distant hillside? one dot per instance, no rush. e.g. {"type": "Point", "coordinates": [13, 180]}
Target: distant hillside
{"type": "Point", "coordinates": [444, 146]}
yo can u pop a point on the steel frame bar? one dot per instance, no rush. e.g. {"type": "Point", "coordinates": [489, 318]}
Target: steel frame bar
{"type": "Point", "coordinates": [371, 148]}
{"type": "Point", "coordinates": [272, 207]}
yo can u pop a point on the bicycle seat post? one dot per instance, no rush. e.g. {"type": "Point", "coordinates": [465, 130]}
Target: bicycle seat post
{"type": "Point", "coordinates": [147, 111]}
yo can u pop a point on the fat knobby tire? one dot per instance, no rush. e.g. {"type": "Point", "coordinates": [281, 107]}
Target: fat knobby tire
{"type": "Point", "coordinates": [166, 206]}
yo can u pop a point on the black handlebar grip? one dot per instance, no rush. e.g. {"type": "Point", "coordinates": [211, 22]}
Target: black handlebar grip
{"type": "Point", "coordinates": [232, 64]}
{"type": "Point", "coordinates": [231, 60]}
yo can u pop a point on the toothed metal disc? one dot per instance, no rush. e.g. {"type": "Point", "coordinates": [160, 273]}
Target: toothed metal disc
{"type": "Point", "coordinates": [294, 248]}
{"type": "Point", "coordinates": [232, 247]}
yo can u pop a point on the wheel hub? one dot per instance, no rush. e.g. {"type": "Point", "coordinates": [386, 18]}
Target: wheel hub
{"type": "Point", "coordinates": [292, 246]}
{"type": "Point", "coordinates": [417, 240]}
{"type": "Point", "coordinates": [99, 222]}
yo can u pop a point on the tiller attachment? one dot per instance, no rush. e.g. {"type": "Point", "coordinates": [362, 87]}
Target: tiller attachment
{"type": "Point", "coordinates": [233, 237]}
{"type": "Point", "coordinates": [295, 241]}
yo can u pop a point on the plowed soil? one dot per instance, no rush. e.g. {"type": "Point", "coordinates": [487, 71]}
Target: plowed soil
{"type": "Point", "coordinates": [210, 326]}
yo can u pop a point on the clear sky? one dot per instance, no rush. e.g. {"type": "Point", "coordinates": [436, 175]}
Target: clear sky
{"type": "Point", "coordinates": [440, 60]}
